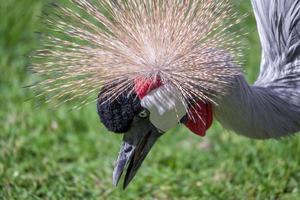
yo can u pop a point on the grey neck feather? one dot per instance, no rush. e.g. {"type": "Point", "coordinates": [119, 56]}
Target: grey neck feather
{"type": "Point", "coordinates": [271, 107]}
{"type": "Point", "coordinates": [259, 112]}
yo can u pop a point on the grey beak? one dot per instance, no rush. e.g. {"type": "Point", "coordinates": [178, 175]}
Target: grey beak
{"type": "Point", "coordinates": [136, 145]}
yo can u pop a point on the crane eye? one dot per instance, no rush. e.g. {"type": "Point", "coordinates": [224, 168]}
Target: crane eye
{"type": "Point", "coordinates": [144, 114]}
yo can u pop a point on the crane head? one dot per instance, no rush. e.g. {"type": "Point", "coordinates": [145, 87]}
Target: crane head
{"type": "Point", "coordinates": [172, 60]}
{"type": "Point", "coordinates": [143, 114]}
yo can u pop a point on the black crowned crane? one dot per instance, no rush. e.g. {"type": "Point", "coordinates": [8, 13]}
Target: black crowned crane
{"type": "Point", "coordinates": [160, 63]}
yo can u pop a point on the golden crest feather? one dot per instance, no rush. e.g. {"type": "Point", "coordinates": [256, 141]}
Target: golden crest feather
{"type": "Point", "coordinates": [187, 43]}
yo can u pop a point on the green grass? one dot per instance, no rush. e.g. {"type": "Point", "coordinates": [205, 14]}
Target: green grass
{"type": "Point", "coordinates": [57, 154]}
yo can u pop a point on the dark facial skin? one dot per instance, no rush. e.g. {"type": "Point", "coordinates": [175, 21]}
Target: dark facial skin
{"type": "Point", "coordinates": [117, 114]}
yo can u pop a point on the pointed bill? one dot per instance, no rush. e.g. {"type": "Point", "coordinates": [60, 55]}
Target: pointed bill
{"type": "Point", "coordinates": [136, 145]}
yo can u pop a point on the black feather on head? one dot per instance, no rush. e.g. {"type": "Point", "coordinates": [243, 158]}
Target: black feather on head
{"type": "Point", "coordinates": [117, 114]}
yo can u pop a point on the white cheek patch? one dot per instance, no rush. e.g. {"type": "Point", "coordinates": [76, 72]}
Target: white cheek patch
{"type": "Point", "coordinates": [166, 107]}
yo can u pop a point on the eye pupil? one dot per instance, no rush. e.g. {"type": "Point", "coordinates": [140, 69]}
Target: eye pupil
{"type": "Point", "coordinates": [144, 114]}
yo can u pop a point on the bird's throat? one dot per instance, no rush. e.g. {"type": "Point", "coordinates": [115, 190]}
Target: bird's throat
{"type": "Point", "coordinates": [200, 118]}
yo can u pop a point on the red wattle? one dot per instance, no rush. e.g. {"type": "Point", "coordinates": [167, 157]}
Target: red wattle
{"type": "Point", "coordinates": [144, 85]}
{"type": "Point", "coordinates": [200, 119]}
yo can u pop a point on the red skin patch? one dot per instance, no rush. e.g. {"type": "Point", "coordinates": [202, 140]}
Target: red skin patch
{"type": "Point", "coordinates": [201, 114]}
{"type": "Point", "coordinates": [200, 119]}
{"type": "Point", "coordinates": [145, 85]}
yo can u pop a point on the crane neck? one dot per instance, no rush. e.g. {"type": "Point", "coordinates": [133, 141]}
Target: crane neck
{"type": "Point", "coordinates": [257, 112]}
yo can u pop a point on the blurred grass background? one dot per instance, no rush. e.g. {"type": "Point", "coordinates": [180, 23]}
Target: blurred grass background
{"type": "Point", "coordinates": [57, 154]}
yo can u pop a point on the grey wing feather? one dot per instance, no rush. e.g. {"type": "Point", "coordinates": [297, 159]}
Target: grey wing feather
{"type": "Point", "coordinates": [278, 24]}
